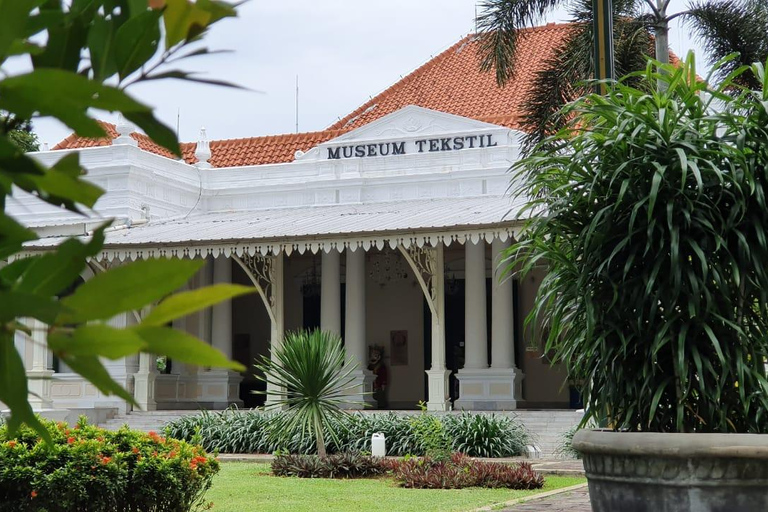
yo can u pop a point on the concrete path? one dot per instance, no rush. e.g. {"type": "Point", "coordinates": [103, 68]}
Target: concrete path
{"type": "Point", "coordinates": [571, 501]}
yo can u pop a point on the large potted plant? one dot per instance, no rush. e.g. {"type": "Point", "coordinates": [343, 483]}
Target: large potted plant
{"type": "Point", "coordinates": [651, 213]}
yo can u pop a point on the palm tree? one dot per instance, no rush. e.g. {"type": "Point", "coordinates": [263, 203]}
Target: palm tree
{"type": "Point", "coordinates": [640, 28]}
{"type": "Point", "coordinates": [313, 371]}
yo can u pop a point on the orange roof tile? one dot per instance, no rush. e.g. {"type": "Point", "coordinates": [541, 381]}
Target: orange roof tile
{"type": "Point", "coordinates": [270, 149]}
{"type": "Point", "coordinates": [451, 82]}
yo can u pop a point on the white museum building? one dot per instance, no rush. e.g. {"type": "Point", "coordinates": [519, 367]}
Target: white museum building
{"type": "Point", "coordinates": [386, 228]}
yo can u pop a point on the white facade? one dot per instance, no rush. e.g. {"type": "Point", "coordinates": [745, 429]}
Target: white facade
{"type": "Point", "coordinates": [392, 221]}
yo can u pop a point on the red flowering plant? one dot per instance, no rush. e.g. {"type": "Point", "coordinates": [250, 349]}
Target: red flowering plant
{"type": "Point", "coordinates": [89, 468]}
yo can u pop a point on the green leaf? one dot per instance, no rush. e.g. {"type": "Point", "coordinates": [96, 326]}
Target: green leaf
{"type": "Point", "coordinates": [183, 303]}
{"type": "Point", "coordinates": [67, 34]}
{"type": "Point", "coordinates": [60, 185]}
{"type": "Point", "coordinates": [101, 45]}
{"type": "Point", "coordinates": [183, 21]}
{"type": "Point", "coordinates": [67, 96]}
{"type": "Point", "coordinates": [156, 130]}
{"type": "Point", "coordinates": [127, 288]}
{"type": "Point", "coordinates": [97, 340]}
{"type": "Point", "coordinates": [137, 41]}
{"type": "Point", "coordinates": [52, 273]}
{"type": "Point", "coordinates": [14, 389]}
{"type": "Point", "coordinates": [12, 23]}
{"type": "Point", "coordinates": [183, 347]}
{"type": "Point", "coordinates": [17, 304]}
{"type": "Point", "coordinates": [91, 368]}
{"type": "Point", "coordinates": [12, 236]}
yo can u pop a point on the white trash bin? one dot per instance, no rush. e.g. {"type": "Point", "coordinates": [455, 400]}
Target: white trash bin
{"type": "Point", "coordinates": [378, 445]}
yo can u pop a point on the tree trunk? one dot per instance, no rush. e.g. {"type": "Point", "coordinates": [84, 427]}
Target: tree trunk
{"type": "Point", "coordinates": [320, 441]}
{"type": "Point", "coordinates": [661, 37]}
{"type": "Point", "coordinates": [662, 41]}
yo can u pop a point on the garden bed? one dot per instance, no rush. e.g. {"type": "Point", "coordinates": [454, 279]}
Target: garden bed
{"type": "Point", "coordinates": [477, 435]}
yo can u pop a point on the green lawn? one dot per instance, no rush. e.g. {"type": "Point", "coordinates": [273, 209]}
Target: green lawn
{"type": "Point", "coordinates": [243, 486]}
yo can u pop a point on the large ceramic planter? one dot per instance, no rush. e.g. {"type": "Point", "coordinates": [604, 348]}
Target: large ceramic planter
{"type": "Point", "coordinates": [634, 472]}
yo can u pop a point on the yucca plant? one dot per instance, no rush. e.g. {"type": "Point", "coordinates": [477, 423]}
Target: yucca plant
{"type": "Point", "coordinates": [312, 369]}
{"type": "Point", "coordinates": [651, 215]}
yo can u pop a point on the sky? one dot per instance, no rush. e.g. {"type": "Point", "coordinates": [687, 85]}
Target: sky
{"type": "Point", "coordinates": [343, 51]}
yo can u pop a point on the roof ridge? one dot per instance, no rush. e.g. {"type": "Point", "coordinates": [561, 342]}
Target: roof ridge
{"type": "Point", "coordinates": [433, 61]}
{"type": "Point", "coordinates": [399, 84]}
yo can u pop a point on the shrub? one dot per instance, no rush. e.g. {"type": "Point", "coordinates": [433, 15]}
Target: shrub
{"type": "Point", "coordinates": [565, 446]}
{"type": "Point", "coordinates": [341, 465]}
{"type": "Point", "coordinates": [431, 437]}
{"type": "Point", "coordinates": [461, 471]}
{"type": "Point", "coordinates": [232, 431]}
{"type": "Point", "coordinates": [90, 469]}
{"type": "Point", "coordinates": [485, 435]}
{"type": "Point", "coordinates": [656, 237]}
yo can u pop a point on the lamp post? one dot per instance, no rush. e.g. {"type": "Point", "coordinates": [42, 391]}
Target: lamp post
{"type": "Point", "coordinates": [603, 38]}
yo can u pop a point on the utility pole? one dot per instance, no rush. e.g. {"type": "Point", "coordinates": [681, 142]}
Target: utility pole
{"type": "Point", "coordinates": [602, 25]}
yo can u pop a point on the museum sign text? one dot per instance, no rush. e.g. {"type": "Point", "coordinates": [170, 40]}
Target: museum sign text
{"type": "Point", "coordinates": [417, 146]}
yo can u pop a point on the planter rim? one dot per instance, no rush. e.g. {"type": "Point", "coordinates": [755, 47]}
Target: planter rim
{"type": "Point", "coordinates": [671, 445]}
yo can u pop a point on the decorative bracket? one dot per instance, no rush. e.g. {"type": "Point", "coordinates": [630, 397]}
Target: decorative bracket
{"type": "Point", "coordinates": [260, 270]}
{"type": "Point", "coordinates": [423, 262]}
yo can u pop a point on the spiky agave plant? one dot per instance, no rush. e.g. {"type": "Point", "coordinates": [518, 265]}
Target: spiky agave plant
{"type": "Point", "coordinates": [311, 369]}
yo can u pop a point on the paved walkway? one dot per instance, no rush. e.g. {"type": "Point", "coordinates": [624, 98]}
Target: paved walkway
{"type": "Point", "coordinates": [572, 501]}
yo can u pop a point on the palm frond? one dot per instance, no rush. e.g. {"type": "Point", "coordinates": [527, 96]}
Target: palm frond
{"type": "Point", "coordinates": [731, 26]}
{"type": "Point", "coordinates": [498, 25]}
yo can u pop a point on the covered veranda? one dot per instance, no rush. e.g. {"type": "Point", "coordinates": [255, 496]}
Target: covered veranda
{"type": "Point", "coordinates": [384, 267]}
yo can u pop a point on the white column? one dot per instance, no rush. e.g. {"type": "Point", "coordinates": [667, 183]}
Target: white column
{"type": "Point", "coordinates": [278, 326]}
{"type": "Point", "coordinates": [39, 375]}
{"type": "Point", "coordinates": [502, 314]}
{"type": "Point", "coordinates": [144, 382]}
{"type": "Point", "coordinates": [503, 325]}
{"type": "Point", "coordinates": [355, 341]}
{"type": "Point", "coordinates": [221, 329]}
{"type": "Point", "coordinates": [481, 387]}
{"type": "Point", "coordinates": [437, 375]}
{"type": "Point", "coordinates": [220, 388]}
{"type": "Point", "coordinates": [121, 370]}
{"type": "Point", "coordinates": [475, 314]}
{"type": "Point", "coordinates": [330, 292]}
{"type": "Point", "coordinates": [144, 379]}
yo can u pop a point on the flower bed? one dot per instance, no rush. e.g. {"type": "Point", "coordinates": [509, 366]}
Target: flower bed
{"type": "Point", "coordinates": [456, 471]}
{"type": "Point", "coordinates": [87, 468]}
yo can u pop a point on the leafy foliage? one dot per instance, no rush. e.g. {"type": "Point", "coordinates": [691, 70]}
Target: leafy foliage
{"type": "Point", "coordinates": [316, 378]}
{"type": "Point", "coordinates": [341, 465]}
{"type": "Point", "coordinates": [651, 215]}
{"type": "Point", "coordinates": [729, 26]}
{"type": "Point", "coordinates": [640, 28]}
{"type": "Point", "coordinates": [232, 431]}
{"type": "Point", "coordinates": [485, 435]}
{"type": "Point", "coordinates": [22, 135]}
{"type": "Point", "coordinates": [76, 48]}
{"type": "Point", "coordinates": [460, 471]}
{"type": "Point", "coordinates": [88, 468]}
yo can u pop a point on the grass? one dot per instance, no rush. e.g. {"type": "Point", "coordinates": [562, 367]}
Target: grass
{"type": "Point", "coordinates": [246, 486]}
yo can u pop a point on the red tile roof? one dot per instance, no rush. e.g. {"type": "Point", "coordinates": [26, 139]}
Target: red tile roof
{"type": "Point", "coordinates": [451, 82]}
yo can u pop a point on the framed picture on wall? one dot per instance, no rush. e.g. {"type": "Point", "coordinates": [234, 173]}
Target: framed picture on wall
{"type": "Point", "coordinates": [398, 348]}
